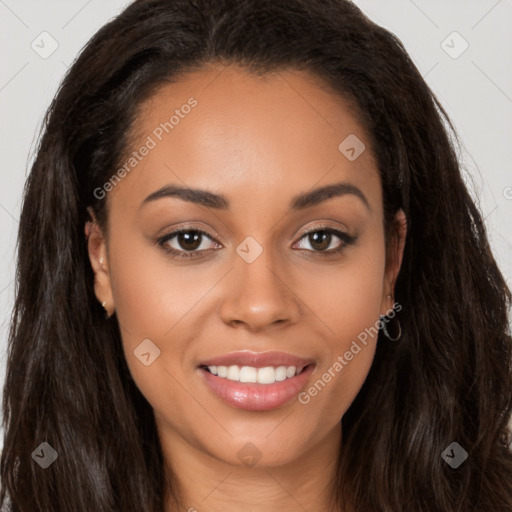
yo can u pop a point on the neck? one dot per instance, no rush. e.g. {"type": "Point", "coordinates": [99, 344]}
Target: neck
{"type": "Point", "coordinates": [205, 483]}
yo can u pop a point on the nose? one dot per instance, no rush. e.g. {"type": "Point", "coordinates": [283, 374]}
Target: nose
{"type": "Point", "coordinates": [257, 296]}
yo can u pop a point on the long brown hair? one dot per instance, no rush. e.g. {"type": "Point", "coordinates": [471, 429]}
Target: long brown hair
{"type": "Point", "coordinates": [449, 378]}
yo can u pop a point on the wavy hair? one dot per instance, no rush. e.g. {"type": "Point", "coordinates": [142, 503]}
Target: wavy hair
{"type": "Point", "coordinates": [448, 379]}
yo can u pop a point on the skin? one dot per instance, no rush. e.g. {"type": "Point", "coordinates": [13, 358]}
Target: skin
{"type": "Point", "coordinates": [259, 141]}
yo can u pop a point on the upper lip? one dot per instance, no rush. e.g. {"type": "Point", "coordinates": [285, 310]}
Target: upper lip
{"type": "Point", "coordinates": [257, 359]}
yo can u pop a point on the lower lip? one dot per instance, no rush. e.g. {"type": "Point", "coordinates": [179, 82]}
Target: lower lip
{"type": "Point", "coordinates": [253, 396]}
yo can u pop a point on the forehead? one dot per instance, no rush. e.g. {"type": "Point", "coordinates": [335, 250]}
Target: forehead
{"type": "Point", "coordinates": [224, 129]}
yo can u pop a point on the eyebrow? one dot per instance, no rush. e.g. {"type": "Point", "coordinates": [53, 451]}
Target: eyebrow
{"type": "Point", "coordinates": [218, 201]}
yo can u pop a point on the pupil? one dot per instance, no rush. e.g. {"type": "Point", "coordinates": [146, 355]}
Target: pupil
{"type": "Point", "coordinates": [189, 241]}
{"type": "Point", "coordinates": [321, 240]}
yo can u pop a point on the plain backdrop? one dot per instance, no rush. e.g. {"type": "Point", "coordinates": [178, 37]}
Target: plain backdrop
{"type": "Point", "coordinates": [463, 48]}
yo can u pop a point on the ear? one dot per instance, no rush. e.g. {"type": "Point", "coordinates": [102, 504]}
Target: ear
{"type": "Point", "coordinates": [394, 260]}
{"type": "Point", "coordinates": [98, 256]}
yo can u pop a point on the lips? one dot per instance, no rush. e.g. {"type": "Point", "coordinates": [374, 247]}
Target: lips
{"type": "Point", "coordinates": [257, 360]}
{"type": "Point", "coordinates": [256, 396]}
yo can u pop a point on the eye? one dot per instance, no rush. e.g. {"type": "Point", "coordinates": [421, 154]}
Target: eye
{"type": "Point", "coordinates": [193, 243]}
{"type": "Point", "coordinates": [186, 243]}
{"type": "Point", "coordinates": [322, 239]}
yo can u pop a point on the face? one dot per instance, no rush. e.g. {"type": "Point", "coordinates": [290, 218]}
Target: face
{"type": "Point", "coordinates": [271, 268]}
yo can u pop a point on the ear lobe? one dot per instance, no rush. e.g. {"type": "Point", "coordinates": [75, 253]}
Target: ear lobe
{"type": "Point", "coordinates": [98, 257]}
{"type": "Point", "coordinates": [396, 251]}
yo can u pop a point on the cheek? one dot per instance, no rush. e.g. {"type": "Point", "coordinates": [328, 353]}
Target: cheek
{"type": "Point", "coordinates": [155, 301]}
{"type": "Point", "coordinates": [348, 302]}
{"type": "Point", "coordinates": [348, 297]}
{"type": "Point", "coordinates": [347, 354]}
{"type": "Point", "coordinates": [335, 385]}
{"type": "Point", "coordinates": [152, 294]}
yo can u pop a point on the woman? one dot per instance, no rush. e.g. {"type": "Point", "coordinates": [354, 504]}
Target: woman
{"type": "Point", "coordinates": [251, 277]}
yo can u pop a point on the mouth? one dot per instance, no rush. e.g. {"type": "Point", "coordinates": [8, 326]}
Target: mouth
{"type": "Point", "coordinates": [251, 374]}
{"type": "Point", "coordinates": [256, 382]}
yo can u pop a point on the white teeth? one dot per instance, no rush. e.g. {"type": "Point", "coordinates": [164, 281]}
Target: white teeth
{"type": "Point", "coordinates": [233, 373]}
{"type": "Point", "coordinates": [266, 375]}
{"type": "Point", "coordinates": [248, 374]}
{"type": "Point", "coordinates": [280, 373]}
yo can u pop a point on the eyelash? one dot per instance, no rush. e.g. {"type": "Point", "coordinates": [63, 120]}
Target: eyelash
{"type": "Point", "coordinates": [344, 237]}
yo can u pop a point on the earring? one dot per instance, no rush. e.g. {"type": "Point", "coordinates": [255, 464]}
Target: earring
{"type": "Point", "coordinates": [384, 320]}
{"type": "Point", "coordinates": [386, 332]}
{"type": "Point", "coordinates": [107, 314]}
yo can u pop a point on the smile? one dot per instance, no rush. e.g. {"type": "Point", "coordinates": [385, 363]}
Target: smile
{"type": "Point", "coordinates": [256, 381]}
{"type": "Point", "coordinates": [265, 375]}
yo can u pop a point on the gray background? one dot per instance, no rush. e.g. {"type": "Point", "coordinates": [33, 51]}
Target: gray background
{"type": "Point", "coordinates": [475, 87]}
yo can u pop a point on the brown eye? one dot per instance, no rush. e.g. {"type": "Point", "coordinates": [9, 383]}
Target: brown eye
{"type": "Point", "coordinates": [187, 243]}
{"type": "Point", "coordinates": [189, 240]}
{"type": "Point", "coordinates": [323, 240]}
{"type": "Point", "coordinates": [320, 240]}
